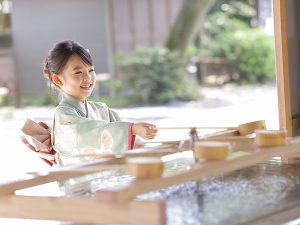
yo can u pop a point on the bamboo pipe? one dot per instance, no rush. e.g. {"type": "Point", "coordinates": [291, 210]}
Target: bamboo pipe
{"type": "Point", "coordinates": [196, 127]}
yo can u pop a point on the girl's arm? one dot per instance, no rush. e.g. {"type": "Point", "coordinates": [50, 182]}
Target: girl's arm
{"type": "Point", "coordinates": [144, 130]}
{"type": "Point", "coordinates": [74, 134]}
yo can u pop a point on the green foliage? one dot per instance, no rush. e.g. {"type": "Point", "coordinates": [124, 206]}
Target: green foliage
{"type": "Point", "coordinates": [154, 75]}
{"type": "Point", "coordinates": [255, 59]}
{"type": "Point", "coordinates": [45, 98]}
{"type": "Point", "coordinates": [188, 22]}
{"type": "Point", "coordinates": [109, 96]}
{"type": "Point", "coordinates": [249, 50]}
{"type": "Point", "coordinates": [7, 112]}
{"type": "Point", "coordinates": [220, 22]}
{"type": "Point", "coordinates": [242, 10]}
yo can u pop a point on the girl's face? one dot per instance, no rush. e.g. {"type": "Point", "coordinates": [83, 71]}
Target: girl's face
{"type": "Point", "coordinates": [77, 79]}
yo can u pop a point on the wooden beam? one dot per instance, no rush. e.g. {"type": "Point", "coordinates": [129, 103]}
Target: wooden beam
{"type": "Point", "coordinates": [111, 161]}
{"type": "Point", "coordinates": [67, 172]}
{"type": "Point", "coordinates": [74, 172]}
{"type": "Point", "coordinates": [82, 210]}
{"type": "Point", "coordinates": [38, 179]}
{"type": "Point", "coordinates": [143, 152]}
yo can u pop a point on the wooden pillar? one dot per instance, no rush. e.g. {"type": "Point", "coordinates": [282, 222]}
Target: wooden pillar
{"type": "Point", "coordinates": [282, 66]}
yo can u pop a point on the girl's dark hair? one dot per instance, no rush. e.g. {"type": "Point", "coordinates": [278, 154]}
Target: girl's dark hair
{"type": "Point", "coordinates": [59, 55]}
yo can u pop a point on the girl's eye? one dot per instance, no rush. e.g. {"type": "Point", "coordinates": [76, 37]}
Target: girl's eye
{"type": "Point", "coordinates": [92, 70]}
{"type": "Point", "coordinates": [78, 72]}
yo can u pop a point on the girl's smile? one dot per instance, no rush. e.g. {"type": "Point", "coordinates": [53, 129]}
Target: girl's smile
{"type": "Point", "coordinates": [86, 87]}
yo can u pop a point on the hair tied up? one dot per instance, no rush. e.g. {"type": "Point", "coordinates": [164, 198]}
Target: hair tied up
{"type": "Point", "coordinates": [47, 74]}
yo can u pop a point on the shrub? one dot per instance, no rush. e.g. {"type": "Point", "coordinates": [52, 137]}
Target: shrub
{"type": "Point", "coordinates": [44, 98]}
{"type": "Point", "coordinates": [256, 60]}
{"type": "Point", "coordinates": [249, 50]}
{"type": "Point", "coordinates": [154, 75]}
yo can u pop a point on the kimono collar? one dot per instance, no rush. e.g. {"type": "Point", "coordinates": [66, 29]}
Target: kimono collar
{"type": "Point", "coordinates": [74, 102]}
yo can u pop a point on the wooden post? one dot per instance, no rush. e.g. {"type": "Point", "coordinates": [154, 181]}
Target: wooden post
{"type": "Point", "coordinates": [282, 66]}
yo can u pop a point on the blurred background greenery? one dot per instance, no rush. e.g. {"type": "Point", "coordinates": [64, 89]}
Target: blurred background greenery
{"type": "Point", "coordinates": [224, 38]}
{"type": "Point", "coordinates": [210, 43]}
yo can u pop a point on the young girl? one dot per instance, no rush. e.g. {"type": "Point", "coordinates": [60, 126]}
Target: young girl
{"type": "Point", "coordinates": [81, 126]}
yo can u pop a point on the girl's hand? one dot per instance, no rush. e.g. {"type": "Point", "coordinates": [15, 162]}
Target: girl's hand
{"type": "Point", "coordinates": [144, 130]}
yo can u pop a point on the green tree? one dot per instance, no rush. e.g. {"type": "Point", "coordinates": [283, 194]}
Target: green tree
{"type": "Point", "coordinates": [188, 22]}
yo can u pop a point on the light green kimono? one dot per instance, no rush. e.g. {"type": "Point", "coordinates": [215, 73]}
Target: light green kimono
{"type": "Point", "coordinates": [85, 128]}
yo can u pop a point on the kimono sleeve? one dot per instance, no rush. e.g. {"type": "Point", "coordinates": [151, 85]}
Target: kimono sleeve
{"type": "Point", "coordinates": [74, 134]}
{"type": "Point", "coordinates": [113, 116]}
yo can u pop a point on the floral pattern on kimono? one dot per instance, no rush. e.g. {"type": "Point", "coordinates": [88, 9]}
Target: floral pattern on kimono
{"type": "Point", "coordinates": [86, 128]}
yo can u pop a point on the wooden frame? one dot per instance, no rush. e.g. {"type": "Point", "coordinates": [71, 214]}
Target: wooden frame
{"type": "Point", "coordinates": [125, 210]}
{"type": "Point", "coordinates": [250, 156]}
{"type": "Point", "coordinates": [285, 70]}
{"type": "Point", "coordinates": [118, 205]}
{"type": "Point", "coordinates": [78, 210]}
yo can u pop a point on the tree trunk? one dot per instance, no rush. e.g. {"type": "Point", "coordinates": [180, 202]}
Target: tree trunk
{"type": "Point", "coordinates": [189, 20]}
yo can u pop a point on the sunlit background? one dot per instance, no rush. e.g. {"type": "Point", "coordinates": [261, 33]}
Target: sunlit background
{"type": "Point", "coordinates": [169, 62]}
